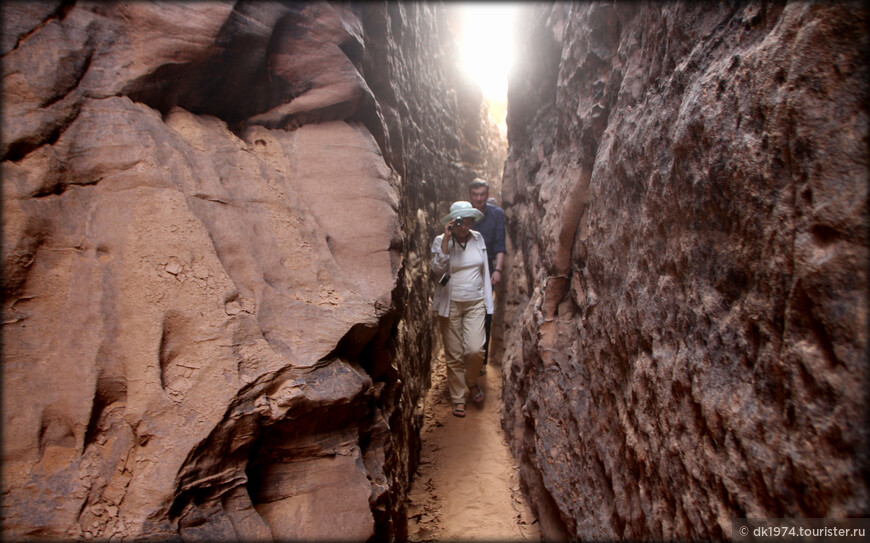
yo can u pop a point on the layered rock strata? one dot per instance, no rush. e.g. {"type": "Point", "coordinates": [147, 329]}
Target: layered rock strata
{"type": "Point", "coordinates": [686, 194]}
{"type": "Point", "coordinates": [216, 220]}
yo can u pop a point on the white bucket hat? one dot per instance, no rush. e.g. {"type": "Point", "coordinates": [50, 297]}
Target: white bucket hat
{"type": "Point", "coordinates": [461, 209]}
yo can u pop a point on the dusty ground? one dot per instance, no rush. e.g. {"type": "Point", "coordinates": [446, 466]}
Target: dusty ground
{"type": "Point", "coordinates": [467, 486]}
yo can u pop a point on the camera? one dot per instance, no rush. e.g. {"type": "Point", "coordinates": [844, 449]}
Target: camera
{"type": "Point", "coordinates": [455, 223]}
{"type": "Point", "coordinates": [444, 279]}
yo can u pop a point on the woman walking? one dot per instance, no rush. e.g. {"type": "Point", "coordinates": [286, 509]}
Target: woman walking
{"type": "Point", "coordinates": [463, 298]}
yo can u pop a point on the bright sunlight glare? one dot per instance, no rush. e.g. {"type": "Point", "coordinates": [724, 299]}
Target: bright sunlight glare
{"type": "Point", "coordinates": [487, 45]}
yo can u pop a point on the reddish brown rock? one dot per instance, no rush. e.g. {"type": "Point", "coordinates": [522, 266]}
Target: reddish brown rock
{"type": "Point", "coordinates": [686, 194]}
{"type": "Point", "coordinates": [216, 220]}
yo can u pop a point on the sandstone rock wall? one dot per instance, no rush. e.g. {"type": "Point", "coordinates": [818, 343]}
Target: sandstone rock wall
{"type": "Point", "coordinates": [686, 193]}
{"type": "Point", "coordinates": [216, 220]}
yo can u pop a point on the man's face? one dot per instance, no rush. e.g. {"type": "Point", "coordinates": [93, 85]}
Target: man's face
{"type": "Point", "coordinates": [478, 197]}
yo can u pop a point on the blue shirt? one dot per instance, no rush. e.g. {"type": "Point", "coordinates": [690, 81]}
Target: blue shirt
{"type": "Point", "coordinates": [491, 226]}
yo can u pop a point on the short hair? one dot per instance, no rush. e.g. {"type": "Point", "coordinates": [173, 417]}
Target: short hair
{"type": "Point", "coordinates": [477, 183]}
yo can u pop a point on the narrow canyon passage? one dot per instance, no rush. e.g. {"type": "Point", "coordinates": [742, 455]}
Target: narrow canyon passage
{"type": "Point", "coordinates": [467, 485]}
{"type": "Point", "coordinates": [217, 280]}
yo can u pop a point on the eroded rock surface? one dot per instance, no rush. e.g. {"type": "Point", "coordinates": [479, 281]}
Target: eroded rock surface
{"type": "Point", "coordinates": [216, 220]}
{"type": "Point", "coordinates": [686, 194]}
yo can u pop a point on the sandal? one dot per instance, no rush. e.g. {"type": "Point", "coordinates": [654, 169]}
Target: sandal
{"type": "Point", "coordinates": [478, 396]}
{"type": "Point", "coordinates": [459, 411]}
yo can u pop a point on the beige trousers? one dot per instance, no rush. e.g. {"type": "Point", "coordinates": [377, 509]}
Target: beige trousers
{"type": "Point", "coordinates": [464, 338]}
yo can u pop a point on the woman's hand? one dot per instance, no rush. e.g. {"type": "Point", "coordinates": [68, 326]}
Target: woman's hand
{"type": "Point", "coordinates": [448, 233]}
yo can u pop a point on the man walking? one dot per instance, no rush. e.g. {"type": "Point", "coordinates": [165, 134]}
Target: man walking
{"type": "Point", "coordinates": [491, 227]}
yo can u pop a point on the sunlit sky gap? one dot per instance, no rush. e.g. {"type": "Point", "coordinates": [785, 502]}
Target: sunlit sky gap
{"type": "Point", "coordinates": [487, 45]}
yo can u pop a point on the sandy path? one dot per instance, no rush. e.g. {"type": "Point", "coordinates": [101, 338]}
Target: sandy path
{"type": "Point", "coordinates": [467, 485]}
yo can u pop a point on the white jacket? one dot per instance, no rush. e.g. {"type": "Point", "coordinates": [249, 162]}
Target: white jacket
{"type": "Point", "coordinates": [441, 264]}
